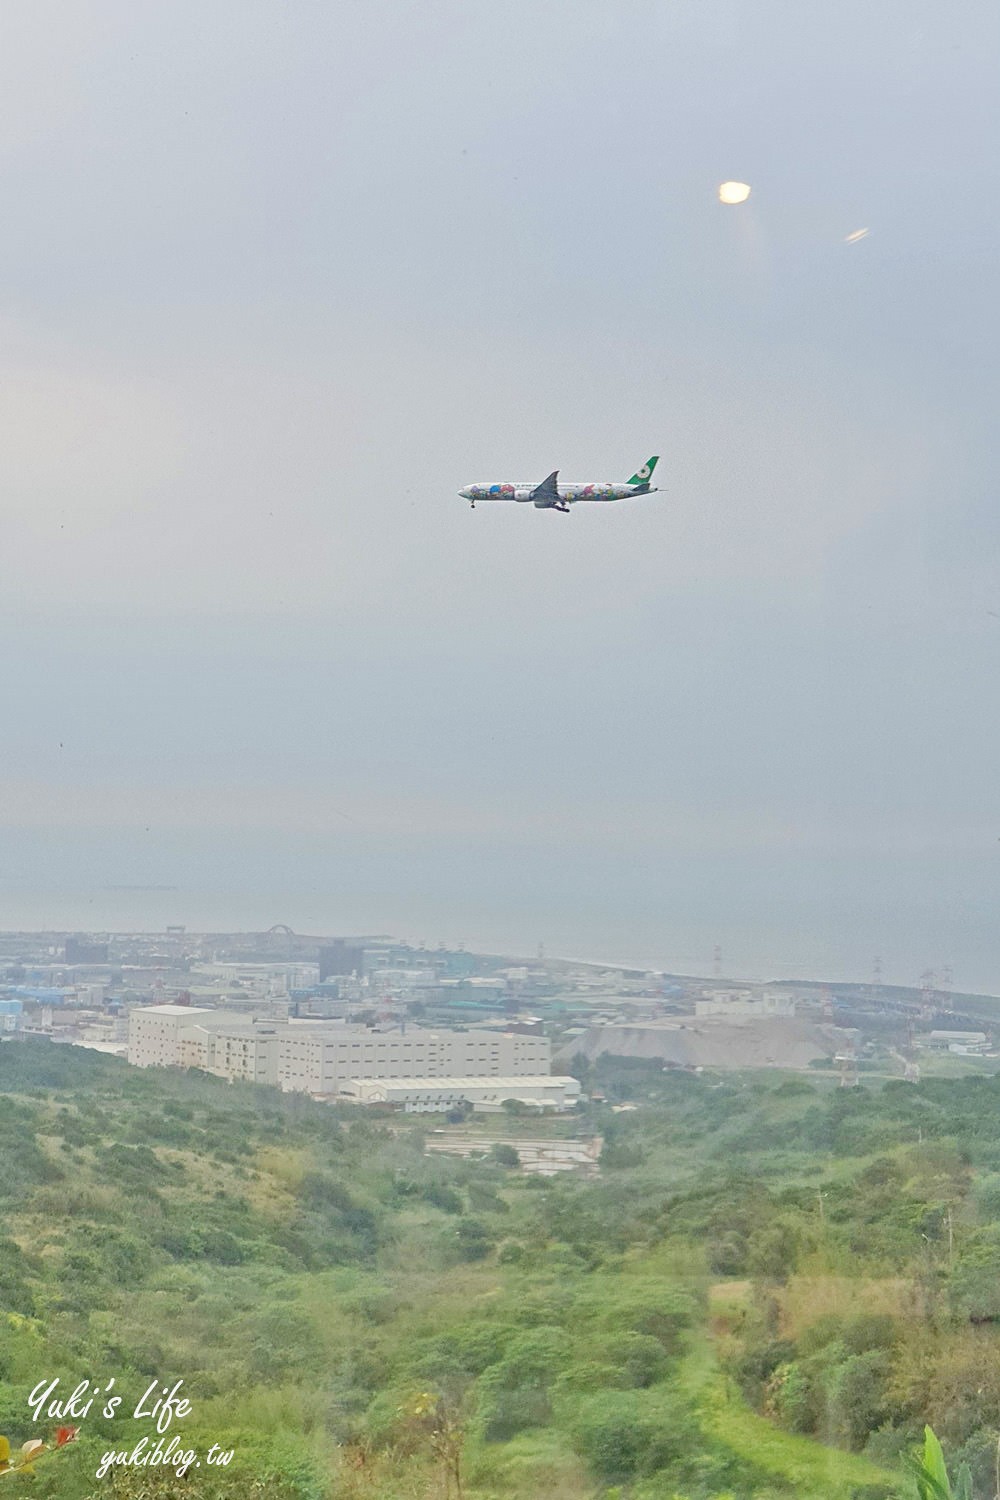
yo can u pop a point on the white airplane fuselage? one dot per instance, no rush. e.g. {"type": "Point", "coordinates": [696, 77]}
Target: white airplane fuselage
{"type": "Point", "coordinates": [551, 495]}
{"type": "Point", "coordinates": [569, 494]}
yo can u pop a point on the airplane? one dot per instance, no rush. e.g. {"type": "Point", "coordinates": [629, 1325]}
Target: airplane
{"type": "Point", "coordinates": [551, 495]}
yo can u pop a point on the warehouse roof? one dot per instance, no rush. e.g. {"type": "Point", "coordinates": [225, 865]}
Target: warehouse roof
{"type": "Point", "coordinates": [479, 1081]}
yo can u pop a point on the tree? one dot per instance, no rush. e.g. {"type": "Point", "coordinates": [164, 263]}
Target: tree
{"type": "Point", "coordinates": [772, 1251]}
{"type": "Point", "coordinates": [504, 1155]}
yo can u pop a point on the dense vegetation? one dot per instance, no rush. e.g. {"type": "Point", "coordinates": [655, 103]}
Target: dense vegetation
{"type": "Point", "coordinates": [771, 1287]}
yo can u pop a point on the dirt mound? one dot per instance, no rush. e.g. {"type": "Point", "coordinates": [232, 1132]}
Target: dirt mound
{"type": "Point", "coordinates": [772, 1043]}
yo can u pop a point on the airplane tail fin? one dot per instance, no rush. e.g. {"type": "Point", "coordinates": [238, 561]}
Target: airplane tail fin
{"type": "Point", "coordinates": [645, 474]}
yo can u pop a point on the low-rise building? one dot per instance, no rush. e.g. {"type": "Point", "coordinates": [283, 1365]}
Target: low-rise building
{"type": "Point", "coordinates": [958, 1041]}
{"type": "Point", "coordinates": [538, 1157]}
{"type": "Point", "coordinates": [486, 1095]}
{"type": "Point", "coordinates": [745, 1005]}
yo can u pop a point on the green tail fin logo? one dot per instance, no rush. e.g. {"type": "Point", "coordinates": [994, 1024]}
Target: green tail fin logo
{"type": "Point", "coordinates": [645, 474]}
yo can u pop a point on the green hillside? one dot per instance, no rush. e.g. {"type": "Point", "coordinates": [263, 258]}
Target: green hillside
{"type": "Point", "coordinates": [770, 1288]}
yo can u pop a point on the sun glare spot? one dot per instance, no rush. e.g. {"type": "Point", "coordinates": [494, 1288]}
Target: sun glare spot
{"type": "Point", "coordinates": [734, 192]}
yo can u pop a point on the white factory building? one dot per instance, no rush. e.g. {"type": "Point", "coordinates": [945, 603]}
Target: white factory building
{"type": "Point", "coordinates": [154, 1032]}
{"type": "Point", "coordinates": [320, 1057]}
{"type": "Point", "coordinates": [745, 1005]}
{"type": "Point", "coordinates": [486, 1095]}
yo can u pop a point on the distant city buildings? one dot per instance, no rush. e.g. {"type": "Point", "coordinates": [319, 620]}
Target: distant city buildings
{"type": "Point", "coordinates": [319, 1012]}
{"type": "Point", "coordinates": [81, 950]}
{"type": "Point", "coordinates": [340, 959]}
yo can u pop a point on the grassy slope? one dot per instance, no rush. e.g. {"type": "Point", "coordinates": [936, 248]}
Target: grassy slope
{"type": "Point", "coordinates": [281, 1350]}
{"type": "Point", "coordinates": [811, 1471]}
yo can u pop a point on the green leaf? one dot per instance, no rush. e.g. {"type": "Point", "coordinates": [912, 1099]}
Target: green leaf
{"type": "Point", "coordinates": [934, 1462]}
{"type": "Point", "coordinates": [963, 1489]}
{"type": "Point", "coordinates": [928, 1488]}
{"type": "Point", "coordinates": [929, 1470]}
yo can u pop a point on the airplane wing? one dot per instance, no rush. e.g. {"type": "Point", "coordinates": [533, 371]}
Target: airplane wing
{"type": "Point", "coordinates": [547, 493]}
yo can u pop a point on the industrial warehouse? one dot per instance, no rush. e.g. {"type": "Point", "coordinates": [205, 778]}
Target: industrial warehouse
{"type": "Point", "coordinates": [322, 1058]}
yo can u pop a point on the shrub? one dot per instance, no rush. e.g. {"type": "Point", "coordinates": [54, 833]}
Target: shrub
{"type": "Point", "coordinates": [514, 1394]}
{"type": "Point", "coordinates": [474, 1240]}
{"type": "Point", "coordinates": [444, 1198]}
{"type": "Point", "coordinates": [504, 1155]}
{"type": "Point", "coordinates": [791, 1397]}
{"type": "Point", "coordinates": [642, 1358]}
{"type": "Point", "coordinates": [623, 1437]}
{"type": "Point", "coordinates": [858, 1396]}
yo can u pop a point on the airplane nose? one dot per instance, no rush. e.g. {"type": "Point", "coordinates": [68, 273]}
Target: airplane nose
{"type": "Point", "coordinates": [465, 493]}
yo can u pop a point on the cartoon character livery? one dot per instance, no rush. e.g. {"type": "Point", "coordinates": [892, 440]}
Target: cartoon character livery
{"type": "Point", "coordinates": [551, 495]}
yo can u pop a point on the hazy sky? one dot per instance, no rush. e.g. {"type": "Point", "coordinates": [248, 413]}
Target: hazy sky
{"type": "Point", "coordinates": [278, 279]}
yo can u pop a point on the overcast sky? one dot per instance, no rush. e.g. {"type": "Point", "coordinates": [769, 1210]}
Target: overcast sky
{"type": "Point", "coordinates": [278, 279]}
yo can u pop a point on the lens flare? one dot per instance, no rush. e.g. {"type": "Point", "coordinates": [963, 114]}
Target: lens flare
{"type": "Point", "coordinates": [734, 192]}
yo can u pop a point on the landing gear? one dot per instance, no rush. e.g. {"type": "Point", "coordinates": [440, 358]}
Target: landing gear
{"type": "Point", "coordinates": [472, 503]}
{"type": "Point", "coordinates": [563, 508]}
